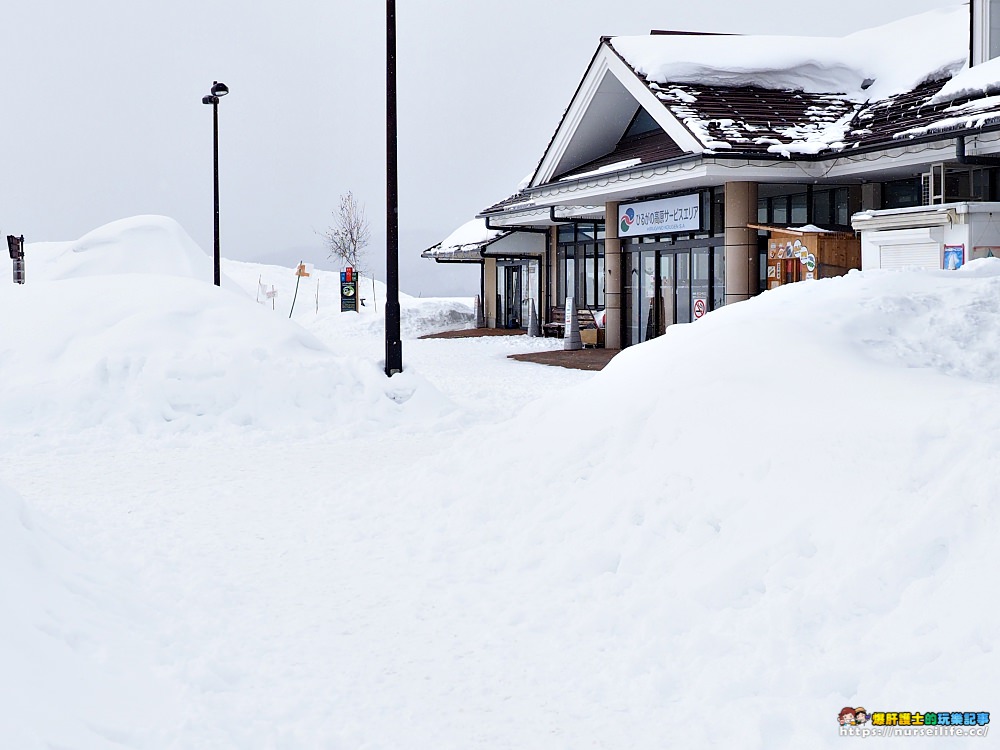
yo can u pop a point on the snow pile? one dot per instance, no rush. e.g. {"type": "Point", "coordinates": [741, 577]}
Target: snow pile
{"type": "Point", "coordinates": [80, 668]}
{"type": "Point", "coordinates": [129, 334]}
{"type": "Point", "coordinates": [897, 57]}
{"type": "Point", "coordinates": [728, 535]}
{"type": "Point", "coordinates": [785, 508]}
{"type": "Point", "coordinates": [975, 81]}
{"type": "Point", "coordinates": [140, 244]}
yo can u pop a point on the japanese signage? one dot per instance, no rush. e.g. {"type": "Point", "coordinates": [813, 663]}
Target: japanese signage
{"type": "Point", "coordinates": [348, 291]}
{"type": "Point", "coordinates": [666, 216]}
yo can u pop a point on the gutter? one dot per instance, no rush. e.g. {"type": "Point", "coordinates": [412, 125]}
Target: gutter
{"type": "Point", "coordinates": [962, 158]}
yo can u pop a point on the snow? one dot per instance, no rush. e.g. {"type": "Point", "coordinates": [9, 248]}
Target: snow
{"type": "Point", "coordinates": [486, 553]}
{"type": "Point", "coordinates": [975, 81]}
{"type": "Point", "coordinates": [898, 56]}
{"type": "Point", "coordinates": [468, 237]}
{"type": "Point", "coordinates": [627, 163]}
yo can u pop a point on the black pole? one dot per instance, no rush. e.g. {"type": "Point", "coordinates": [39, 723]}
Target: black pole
{"type": "Point", "coordinates": [215, 141]}
{"type": "Point", "coordinates": [393, 345]}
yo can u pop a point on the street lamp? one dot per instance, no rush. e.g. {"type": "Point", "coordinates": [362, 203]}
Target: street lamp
{"type": "Point", "coordinates": [218, 90]}
{"type": "Point", "coordinates": [393, 345]}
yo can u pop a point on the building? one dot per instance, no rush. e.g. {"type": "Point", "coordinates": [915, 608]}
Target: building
{"type": "Point", "coordinates": [691, 171]}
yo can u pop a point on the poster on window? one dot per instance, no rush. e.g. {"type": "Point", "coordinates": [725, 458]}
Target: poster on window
{"type": "Point", "coordinates": [954, 257]}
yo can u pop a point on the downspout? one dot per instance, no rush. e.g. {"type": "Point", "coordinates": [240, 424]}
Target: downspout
{"type": "Point", "coordinates": [962, 158]}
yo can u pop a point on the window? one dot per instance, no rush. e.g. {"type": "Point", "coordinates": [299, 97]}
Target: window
{"type": "Point", "coordinates": [902, 193]}
{"type": "Point", "coordinates": [580, 265]}
{"type": "Point", "coordinates": [642, 124]}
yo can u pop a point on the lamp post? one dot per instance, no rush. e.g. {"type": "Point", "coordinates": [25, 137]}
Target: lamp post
{"type": "Point", "coordinates": [218, 90]}
{"type": "Point", "coordinates": [393, 345]}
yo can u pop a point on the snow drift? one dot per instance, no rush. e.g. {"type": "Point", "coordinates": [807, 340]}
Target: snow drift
{"type": "Point", "coordinates": [80, 667]}
{"type": "Point", "coordinates": [124, 330]}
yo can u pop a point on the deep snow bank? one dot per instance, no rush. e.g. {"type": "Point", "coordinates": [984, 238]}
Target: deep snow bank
{"type": "Point", "coordinates": [79, 670]}
{"type": "Point", "coordinates": [737, 529]}
{"type": "Point", "coordinates": [123, 329]}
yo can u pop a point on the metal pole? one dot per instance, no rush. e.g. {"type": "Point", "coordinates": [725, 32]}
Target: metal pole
{"type": "Point", "coordinates": [393, 345]}
{"type": "Point", "coordinates": [215, 141]}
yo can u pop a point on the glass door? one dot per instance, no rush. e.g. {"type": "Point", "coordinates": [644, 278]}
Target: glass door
{"type": "Point", "coordinates": [668, 291]}
{"type": "Point", "coordinates": [512, 297]}
{"type": "Point", "coordinates": [647, 294]}
{"type": "Point", "coordinates": [683, 286]}
{"type": "Point", "coordinates": [633, 297]}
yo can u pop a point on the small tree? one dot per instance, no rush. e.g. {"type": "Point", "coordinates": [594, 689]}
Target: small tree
{"type": "Point", "coordinates": [349, 236]}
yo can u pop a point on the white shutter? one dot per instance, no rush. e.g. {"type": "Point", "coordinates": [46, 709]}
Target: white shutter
{"type": "Point", "coordinates": [916, 255]}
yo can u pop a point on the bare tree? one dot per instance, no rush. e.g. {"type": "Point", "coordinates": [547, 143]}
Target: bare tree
{"type": "Point", "coordinates": [349, 236]}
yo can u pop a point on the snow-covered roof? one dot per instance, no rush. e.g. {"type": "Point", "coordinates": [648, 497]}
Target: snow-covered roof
{"type": "Point", "coordinates": [465, 243]}
{"type": "Point", "coordinates": [799, 95]}
{"type": "Point", "coordinates": [865, 66]}
{"type": "Point", "coordinates": [766, 96]}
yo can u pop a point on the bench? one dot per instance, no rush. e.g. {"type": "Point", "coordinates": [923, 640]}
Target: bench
{"type": "Point", "coordinates": [557, 321]}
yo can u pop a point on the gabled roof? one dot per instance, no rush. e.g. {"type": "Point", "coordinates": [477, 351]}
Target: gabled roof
{"type": "Point", "coordinates": [760, 95]}
{"type": "Point", "coordinates": [804, 99]}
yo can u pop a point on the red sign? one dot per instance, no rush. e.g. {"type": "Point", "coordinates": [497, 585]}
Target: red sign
{"type": "Point", "coordinates": [350, 274]}
{"type": "Point", "coordinates": [700, 308]}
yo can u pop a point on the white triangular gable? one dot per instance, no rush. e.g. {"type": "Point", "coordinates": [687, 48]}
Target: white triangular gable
{"type": "Point", "coordinates": [601, 109]}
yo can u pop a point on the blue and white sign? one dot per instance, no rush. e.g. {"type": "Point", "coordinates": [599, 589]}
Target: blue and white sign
{"type": "Point", "coordinates": [666, 216]}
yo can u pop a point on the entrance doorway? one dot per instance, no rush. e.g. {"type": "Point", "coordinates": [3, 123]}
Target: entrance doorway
{"type": "Point", "coordinates": [517, 287]}
{"type": "Point", "coordinates": [667, 283]}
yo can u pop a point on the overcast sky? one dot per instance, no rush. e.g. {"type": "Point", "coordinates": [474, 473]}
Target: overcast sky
{"type": "Point", "coordinates": [104, 120]}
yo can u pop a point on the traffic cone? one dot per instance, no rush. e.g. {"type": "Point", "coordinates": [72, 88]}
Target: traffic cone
{"type": "Point", "coordinates": [534, 330]}
{"type": "Point", "coordinates": [480, 319]}
{"type": "Point", "coordinates": [571, 337]}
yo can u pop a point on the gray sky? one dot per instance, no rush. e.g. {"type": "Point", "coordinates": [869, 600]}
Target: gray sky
{"type": "Point", "coordinates": [103, 114]}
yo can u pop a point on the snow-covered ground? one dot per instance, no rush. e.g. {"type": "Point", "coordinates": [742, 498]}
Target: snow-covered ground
{"type": "Point", "coordinates": [222, 528]}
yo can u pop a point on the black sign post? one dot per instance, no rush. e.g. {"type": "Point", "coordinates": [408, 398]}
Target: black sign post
{"type": "Point", "coordinates": [16, 247]}
{"type": "Point", "coordinates": [348, 291]}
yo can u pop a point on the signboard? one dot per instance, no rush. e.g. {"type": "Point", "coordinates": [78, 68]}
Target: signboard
{"type": "Point", "coordinates": [700, 308]}
{"type": "Point", "coordinates": [954, 257]}
{"type": "Point", "coordinates": [15, 245]}
{"type": "Point", "coordinates": [666, 216]}
{"type": "Point", "coordinates": [348, 291]}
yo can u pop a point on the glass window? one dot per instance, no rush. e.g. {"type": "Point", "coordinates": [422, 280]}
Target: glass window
{"type": "Point", "coordinates": [668, 291]}
{"type": "Point", "coordinates": [842, 206]}
{"type": "Point", "coordinates": [779, 210]}
{"type": "Point", "coordinates": [567, 233]}
{"type": "Point", "coordinates": [762, 211]}
{"type": "Point", "coordinates": [647, 294]}
{"type": "Point", "coordinates": [902, 193]}
{"type": "Point", "coordinates": [821, 207]}
{"type": "Point", "coordinates": [590, 278]}
{"type": "Point", "coordinates": [719, 212]}
{"type": "Point", "coordinates": [641, 124]}
{"type": "Point", "coordinates": [600, 278]}
{"type": "Point", "coordinates": [683, 287]}
{"type": "Point", "coordinates": [570, 289]}
{"type": "Point", "coordinates": [585, 232]}
{"type": "Point", "coordinates": [560, 277]}
{"type": "Point", "coordinates": [700, 280]}
{"type": "Point", "coordinates": [800, 209]}
{"type": "Point", "coordinates": [718, 277]}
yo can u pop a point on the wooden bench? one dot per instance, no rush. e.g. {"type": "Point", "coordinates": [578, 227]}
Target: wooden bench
{"type": "Point", "coordinates": [557, 317]}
